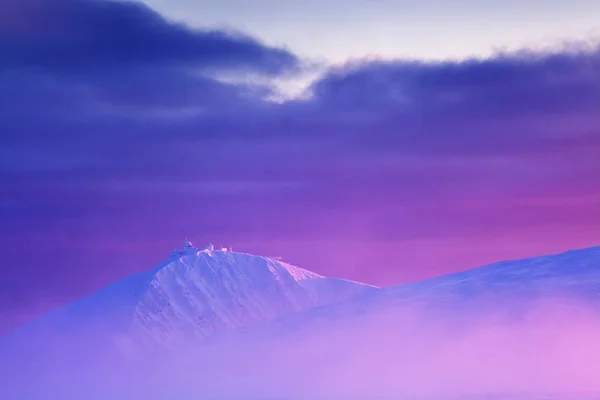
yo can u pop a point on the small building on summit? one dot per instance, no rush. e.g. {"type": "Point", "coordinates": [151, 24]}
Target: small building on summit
{"type": "Point", "coordinates": [188, 245]}
{"type": "Point", "coordinates": [188, 248]}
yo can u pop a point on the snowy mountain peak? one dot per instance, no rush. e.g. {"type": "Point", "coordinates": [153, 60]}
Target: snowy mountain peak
{"type": "Point", "coordinates": [242, 262]}
{"type": "Point", "coordinates": [196, 293]}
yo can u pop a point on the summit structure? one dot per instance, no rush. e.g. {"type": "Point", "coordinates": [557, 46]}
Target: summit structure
{"type": "Point", "coordinates": [189, 248]}
{"type": "Point", "coordinates": [188, 245]}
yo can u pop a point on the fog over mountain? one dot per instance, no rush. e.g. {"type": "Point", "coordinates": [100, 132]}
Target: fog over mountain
{"type": "Point", "coordinates": [219, 324]}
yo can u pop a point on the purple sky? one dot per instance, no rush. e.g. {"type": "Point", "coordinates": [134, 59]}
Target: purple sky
{"type": "Point", "coordinates": [123, 132]}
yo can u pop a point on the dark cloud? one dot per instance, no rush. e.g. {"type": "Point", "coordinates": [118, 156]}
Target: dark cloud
{"type": "Point", "coordinates": [523, 83]}
{"type": "Point", "coordinates": [506, 104]}
{"type": "Point", "coordinates": [92, 34]}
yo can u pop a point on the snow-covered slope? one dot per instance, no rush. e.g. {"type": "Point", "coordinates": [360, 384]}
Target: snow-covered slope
{"type": "Point", "coordinates": [194, 294]}
{"type": "Point", "coordinates": [508, 288]}
{"type": "Point", "coordinates": [574, 274]}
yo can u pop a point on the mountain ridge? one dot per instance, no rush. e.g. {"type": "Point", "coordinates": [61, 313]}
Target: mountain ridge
{"type": "Point", "coordinates": [572, 275]}
{"type": "Point", "coordinates": [195, 293]}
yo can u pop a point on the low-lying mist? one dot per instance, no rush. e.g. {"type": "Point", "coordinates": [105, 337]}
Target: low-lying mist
{"type": "Point", "coordinates": [552, 348]}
